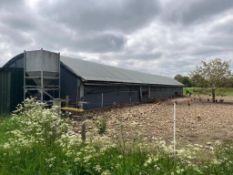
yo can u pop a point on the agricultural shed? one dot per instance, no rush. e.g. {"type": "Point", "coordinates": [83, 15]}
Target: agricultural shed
{"type": "Point", "coordinates": [47, 76]}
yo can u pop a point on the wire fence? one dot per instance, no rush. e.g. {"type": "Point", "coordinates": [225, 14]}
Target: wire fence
{"type": "Point", "coordinates": [110, 98]}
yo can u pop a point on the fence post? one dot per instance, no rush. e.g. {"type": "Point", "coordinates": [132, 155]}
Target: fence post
{"type": "Point", "coordinates": [102, 99]}
{"type": "Point", "coordinates": [67, 101]}
{"type": "Point", "coordinates": [57, 106]}
{"type": "Point", "coordinates": [174, 129]}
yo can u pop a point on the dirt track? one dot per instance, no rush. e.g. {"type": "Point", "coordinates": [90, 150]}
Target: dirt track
{"type": "Point", "coordinates": [197, 121]}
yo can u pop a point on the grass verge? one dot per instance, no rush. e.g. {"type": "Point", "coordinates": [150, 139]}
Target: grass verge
{"type": "Point", "coordinates": [207, 91]}
{"type": "Point", "coordinates": [39, 141]}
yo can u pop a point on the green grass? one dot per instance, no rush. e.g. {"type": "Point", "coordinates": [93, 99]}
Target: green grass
{"type": "Point", "coordinates": [35, 142]}
{"type": "Point", "coordinates": [207, 91]}
{"type": "Point", "coordinates": [4, 128]}
{"type": "Point", "coordinates": [131, 161]}
{"type": "Point", "coordinates": [113, 160]}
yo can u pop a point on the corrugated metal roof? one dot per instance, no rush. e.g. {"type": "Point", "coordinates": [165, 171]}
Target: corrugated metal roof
{"type": "Point", "coordinates": [98, 72]}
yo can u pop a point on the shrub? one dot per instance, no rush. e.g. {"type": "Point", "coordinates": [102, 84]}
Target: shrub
{"type": "Point", "coordinates": [37, 122]}
{"type": "Point", "coordinates": [101, 125]}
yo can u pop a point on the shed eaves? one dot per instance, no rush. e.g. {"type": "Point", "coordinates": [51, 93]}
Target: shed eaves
{"type": "Point", "coordinates": [98, 72]}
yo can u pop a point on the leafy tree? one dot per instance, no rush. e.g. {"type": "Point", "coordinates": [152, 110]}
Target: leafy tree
{"type": "Point", "coordinates": [178, 77]}
{"type": "Point", "coordinates": [185, 80]}
{"type": "Point", "coordinates": [214, 73]}
{"type": "Point", "coordinates": [228, 82]}
{"type": "Point", "coordinates": [198, 81]}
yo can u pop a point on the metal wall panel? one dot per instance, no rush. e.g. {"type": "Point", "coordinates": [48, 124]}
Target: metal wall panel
{"type": "Point", "coordinates": [16, 88]}
{"type": "Point", "coordinates": [92, 101]}
{"type": "Point", "coordinates": [4, 92]}
{"type": "Point", "coordinates": [70, 86]}
{"type": "Point", "coordinates": [43, 68]}
{"type": "Point", "coordinates": [11, 89]}
{"type": "Point", "coordinates": [41, 60]}
{"type": "Point", "coordinates": [161, 93]}
{"type": "Point", "coordinates": [18, 63]}
{"type": "Point", "coordinates": [100, 96]}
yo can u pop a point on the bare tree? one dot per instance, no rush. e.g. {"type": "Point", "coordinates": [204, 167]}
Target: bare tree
{"type": "Point", "coordinates": [215, 72]}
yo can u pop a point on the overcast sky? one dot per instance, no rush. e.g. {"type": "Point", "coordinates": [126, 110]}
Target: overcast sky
{"type": "Point", "coordinates": [164, 37]}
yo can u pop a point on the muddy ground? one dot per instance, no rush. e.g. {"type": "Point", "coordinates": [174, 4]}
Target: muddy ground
{"type": "Point", "coordinates": [197, 120]}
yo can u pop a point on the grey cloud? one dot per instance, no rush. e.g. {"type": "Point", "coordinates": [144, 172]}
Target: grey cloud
{"type": "Point", "coordinates": [18, 22]}
{"type": "Point", "coordinates": [85, 26]}
{"type": "Point", "coordinates": [141, 56]}
{"type": "Point", "coordinates": [195, 11]}
{"type": "Point", "coordinates": [5, 4]}
{"type": "Point", "coordinates": [88, 15]}
{"type": "Point", "coordinates": [206, 51]}
{"type": "Point", "coordinates": [73, 41]}
{"type": "Point", "coordinates": [135, 34]}
{"type": "Point", "coordinates": [101, 43]}
{"type": "Point", "coordinates": [225, 42]}
{"type": "Point", "coordinates": [15, 13]}
{"type": "Point", "coordinates": [225, 28]}
{"type": "Point", "coordinates": [13, 37]}
{"type": "Point", "coordinates": [15, 20]}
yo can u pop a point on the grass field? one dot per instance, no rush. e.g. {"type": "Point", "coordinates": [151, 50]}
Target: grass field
{"type": "Point", "coordinates": [207, 91]}
{"type": "Point", "coordinates": [39, 141]}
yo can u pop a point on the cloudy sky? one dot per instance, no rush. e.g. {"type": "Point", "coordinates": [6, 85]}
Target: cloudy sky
{"type": "Point", "coordinates": [164, 37]}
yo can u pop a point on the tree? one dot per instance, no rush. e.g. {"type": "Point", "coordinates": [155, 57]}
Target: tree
{"type": "Point", "coordinates": [185, 80]}
{"type": "Point", "coordinates": [214, 72]}
{"type": "Point", "coordinates": [179, 78]}
{"type": "Point", "coordinates": [228, 83]}
{"type": "Point", "coordinates": [198, 81]}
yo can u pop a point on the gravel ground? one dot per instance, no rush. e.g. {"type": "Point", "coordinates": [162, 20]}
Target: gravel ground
{"type": "Point", "coordinates": [198, 121]}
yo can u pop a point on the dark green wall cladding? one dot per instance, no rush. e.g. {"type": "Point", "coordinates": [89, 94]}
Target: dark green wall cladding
{"type": "Point", "coordinates": [11, 89]}
{"type": "Point", "coordinates": [16, 88]}
{"type": "Point", "coordinates": [69, 86]}
{"type": "Point", "coordinates": [4, 92]}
